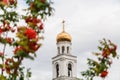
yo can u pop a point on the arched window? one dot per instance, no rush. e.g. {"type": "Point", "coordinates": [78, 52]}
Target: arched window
{"type": "Point", "coordinates": [69, 70]}
{"type": "Point", "coordinates": [67, 49]}
{"type": "Point", "coordinates": [63, 49]}
{"type": "Point", "coordinates": [58, 50]}
{"type": "Point", "coordinates": [57, 70]}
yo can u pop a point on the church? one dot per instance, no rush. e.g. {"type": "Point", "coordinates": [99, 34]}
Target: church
{"type": "Point", "coordinates": [64, 63]}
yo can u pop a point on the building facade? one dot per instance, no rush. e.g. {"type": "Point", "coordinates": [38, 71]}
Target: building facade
{"type": "Point", "coordinates": [64, 63]}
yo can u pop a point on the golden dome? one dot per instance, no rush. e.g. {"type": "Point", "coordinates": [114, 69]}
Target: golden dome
{"type": "Point", "coordinates": [63, 36]}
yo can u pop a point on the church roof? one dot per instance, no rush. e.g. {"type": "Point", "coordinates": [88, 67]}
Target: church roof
{"type": "Point", "coordinates": [63, 36]}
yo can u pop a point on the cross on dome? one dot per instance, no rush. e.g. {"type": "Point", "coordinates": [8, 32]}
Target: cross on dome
{"type": "Point", "coordinates": [63, 25]}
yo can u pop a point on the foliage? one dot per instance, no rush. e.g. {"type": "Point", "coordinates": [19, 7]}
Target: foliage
{"type": "Point", "coordinates": [27, 39]}
{"type": "Point", "coordinates": [100, 66]}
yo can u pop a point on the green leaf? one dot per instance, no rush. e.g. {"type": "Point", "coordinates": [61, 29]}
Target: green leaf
{"type": "Point", "coordinates": [100, 48]}
{"type": "Point", "coordinates": [2, 77]}
{"type": "Point", "coordinates": [102, 67]}
{"type": "Point", "coordinates": [114, 54]}
{"type": "Point", "coordinates": [30, 57]}
{"type": "Point", "coordinates": [21, 53]}
{"type": "Point", "coordinates": [28, 75]}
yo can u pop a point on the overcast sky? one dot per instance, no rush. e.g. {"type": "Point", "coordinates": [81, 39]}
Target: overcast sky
{"type": "Point", "coordinates": [87, 21]}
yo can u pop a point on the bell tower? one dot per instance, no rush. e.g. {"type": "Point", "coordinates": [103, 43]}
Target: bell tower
{"type": "Point", "coordinates": [64, 63]}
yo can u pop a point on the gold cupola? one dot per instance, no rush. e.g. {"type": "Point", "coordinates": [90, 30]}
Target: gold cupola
{"type": "Point", "coordinates": [63, 36]}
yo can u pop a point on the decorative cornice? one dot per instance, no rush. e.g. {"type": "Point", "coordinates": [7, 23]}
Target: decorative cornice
{"type": "Point", "coordinates": [64, 58]}
{"type": "Point", "coordinates": [69, 55]}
